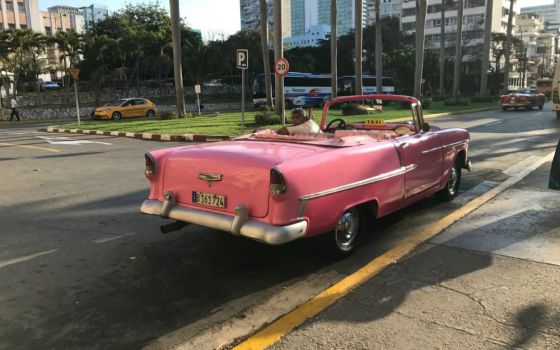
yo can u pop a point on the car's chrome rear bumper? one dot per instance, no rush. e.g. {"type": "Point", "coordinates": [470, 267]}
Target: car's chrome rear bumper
{"type": "Point", "coordinates": [240, 224]}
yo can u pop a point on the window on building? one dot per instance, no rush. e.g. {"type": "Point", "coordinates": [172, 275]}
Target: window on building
{"type": "Point", "coordinates": [23, 26]}
{"type": "Point", "coordinates": [409, 12]}
{"type": "Point", "coordinates": [474, 3]}
{"type": "Point", "coordinates": [48, 31]}
{"type": "Point", "coordinates": [21, 7]}
{"type": "Point", "coordinates": [11, 26]}
{"type": "Point", "coordinates": [9, 6]}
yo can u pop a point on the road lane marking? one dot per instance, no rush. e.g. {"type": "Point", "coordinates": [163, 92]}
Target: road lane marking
{"type": "Point", "coordinates": [62, 140]}
{"type": "Point", "coordinates": [112, 238]}
{"type": "Point", "coordinates": [285, 324]}
{"type": "Point", "coordinates": [25, 258]}
{"type": "Point", "coordinates": [8, 144]}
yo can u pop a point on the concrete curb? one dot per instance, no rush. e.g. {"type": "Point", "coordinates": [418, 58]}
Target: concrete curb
{"type": "Point", "coordinates": [143, 136]}
{"type": "Point", "coordinates": [447, 114]}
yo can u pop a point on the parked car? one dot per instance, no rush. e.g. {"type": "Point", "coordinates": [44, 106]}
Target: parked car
{"type": "Point", "coordinates": [523, 98]}
{"type": "Point", "coordinates": [126, 108]}
{"type": "Point", "coordinates": [49, 85]}
{"type": "Point", "coordinates": [278, 188]}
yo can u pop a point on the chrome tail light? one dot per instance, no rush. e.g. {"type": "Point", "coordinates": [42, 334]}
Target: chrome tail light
{"type": "Point", "coordinates": [277, 183]}
{"type": "Point", "coordinates": [150, 164]}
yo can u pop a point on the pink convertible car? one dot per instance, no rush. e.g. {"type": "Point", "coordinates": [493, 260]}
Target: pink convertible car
{"type": "Point", "coordinates": [276, 188]}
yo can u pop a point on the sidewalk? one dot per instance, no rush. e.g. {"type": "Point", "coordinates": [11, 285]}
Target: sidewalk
{"type": "Point", "coordinates": [489, 281]}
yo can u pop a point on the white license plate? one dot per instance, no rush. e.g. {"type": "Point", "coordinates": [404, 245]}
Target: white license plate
{"type": "Point", "coordinates": [213, 200]}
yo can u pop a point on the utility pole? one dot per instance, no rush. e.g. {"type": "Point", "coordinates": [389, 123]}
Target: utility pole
{"type": "Point", "coordinates": [334, 59]}
{"type": "Point", "coordinates": [265, 52]}
{"type": "Point", "coordinates": [279, 106]}
{"type": "Point", "coordinates": [177, 61]}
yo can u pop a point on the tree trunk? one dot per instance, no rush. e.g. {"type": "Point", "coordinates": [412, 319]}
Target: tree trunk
{"type": "Point", "coordinates": [378, 50]}
{"type": "Point", "coordinates": [421, 6]}
{"type": "Point", "coordinates": [334, 62]}
{"type": "Point", "coordinates": [507, 53]}
{"type": "Point", "coordinates": [177, 60]}
{"type": "Point", "coordinates": [442, 52]}
{"type": "Point", "coordinates": [279, 53]}
{"type": "Point", "coordinates": [358, 48]}
{"type": "Point", "coordinates": [486, 48]}
{"type": "Point", "coordinates": [265, 52]}
{"type": "Point", "coordinates": [458, 55]}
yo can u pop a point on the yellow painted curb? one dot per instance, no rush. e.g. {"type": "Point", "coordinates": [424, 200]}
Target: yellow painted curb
{"type": "Point", "coordinates": [320, 302]}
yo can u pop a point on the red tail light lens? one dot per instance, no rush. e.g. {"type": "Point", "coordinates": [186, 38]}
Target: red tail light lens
{"type": "Point", "coordinates": [277, 183]}
{"type": "Point", "coordinates": [150, 164]}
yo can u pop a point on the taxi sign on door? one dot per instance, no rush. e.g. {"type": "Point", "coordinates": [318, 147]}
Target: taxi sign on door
{"type": "Point", "coordinates": [281, 67]}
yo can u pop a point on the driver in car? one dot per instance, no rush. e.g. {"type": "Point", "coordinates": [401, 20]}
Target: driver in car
{"type": "Point", "coordinates": [301, 124]}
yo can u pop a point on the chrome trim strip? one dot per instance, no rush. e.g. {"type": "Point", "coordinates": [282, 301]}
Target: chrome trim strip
{"type": "Point", "coordinates": [240, 224]}
{"type": "Point", "coordinates": [432, 150]}
{"type": "Point", "coordinates": [455, 144]}
{"type": "Point", "coordinates": [360, 183]}
{"type": "Point", "coordinates": [210, 177]}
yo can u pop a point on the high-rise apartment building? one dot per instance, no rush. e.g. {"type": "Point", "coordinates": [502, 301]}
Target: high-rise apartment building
{"type": "Point", "coordinates": [309, 13]}
{"type": "Point", "coordinates": [550, 13]}
{"type": "Point", "coordinates": [250, 15]}
{"type": "Point", "coordinates": [388, 8]}
{"type": "Point", "coordinates": [61, 18]}
{"type": "Point", "coordinates": [94, 13]}
{"type": "Point", "coordinates": [20, 14]}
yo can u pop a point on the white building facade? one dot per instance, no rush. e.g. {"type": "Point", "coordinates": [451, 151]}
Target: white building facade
{"type": "Point", "coordinates": [250, 15]}
{"type": "Point", "coordinates": [550, 13]}
{"type": "Point", "coordinates": [312, 37]}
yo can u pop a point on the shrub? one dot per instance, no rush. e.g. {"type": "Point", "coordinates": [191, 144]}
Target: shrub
{"type": "Point", "coordinates": [168, 115]}
{"type": "Point", "coordinates": [460, 101]}
{"type": "Point", "coordinates": [266, 116]}
{"type": "Point", "coordinates": [356, 109]}
{"type": "Point", "coordinates": [426, 102]}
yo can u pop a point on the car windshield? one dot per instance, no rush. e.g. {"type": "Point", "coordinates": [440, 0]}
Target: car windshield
{"type": "Point", "coordinates": [350, 121]}
{"type": "Point", "coordinates": [526, 91]}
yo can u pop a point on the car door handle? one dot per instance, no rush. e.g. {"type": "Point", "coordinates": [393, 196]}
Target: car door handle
{"type": "Point", "coordinates": [405, 145]}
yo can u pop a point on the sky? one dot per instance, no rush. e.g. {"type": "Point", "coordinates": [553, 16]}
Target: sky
{"type": "Point", "coordinates": [212, 17]}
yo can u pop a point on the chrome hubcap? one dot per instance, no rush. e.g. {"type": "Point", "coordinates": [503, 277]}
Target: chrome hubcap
{"type": "Point", "coordinates": [452, 182]}
{"type": "Point", "coordinates": [346, 230]}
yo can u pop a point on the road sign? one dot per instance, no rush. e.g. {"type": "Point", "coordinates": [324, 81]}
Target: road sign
{"type": "Point", "coordinates": [281, 66]}
{"type": "Point", "coordinates": [74, 72]}
{"type": "Point", "coordinates": [197, 89]}
{"type": "Point", "coordinates": [242, 59]}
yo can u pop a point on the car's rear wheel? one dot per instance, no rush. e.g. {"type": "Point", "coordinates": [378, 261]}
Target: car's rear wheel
{"type": "Point", "coordinates": [541, 106]}
{"type": "Point", "coordinates": [116, 116]}
{"type": "Point", "coordinates": [343, 240]}
{"type": "Point", "coordinates": [453, 182]}
{"type": "Point", "coordinates": [504, 109]}
{"type": "Point", "coordinates": [150, 114]}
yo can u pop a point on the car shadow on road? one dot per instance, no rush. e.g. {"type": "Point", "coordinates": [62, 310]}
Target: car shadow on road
{"type": "Point", "coordinates": [433, 268]}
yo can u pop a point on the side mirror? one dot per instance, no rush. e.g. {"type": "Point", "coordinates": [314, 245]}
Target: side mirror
{"type": "Point", "coordinates": [426, 127]}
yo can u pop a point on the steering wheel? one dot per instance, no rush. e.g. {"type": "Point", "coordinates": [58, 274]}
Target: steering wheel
{"type": "Point", "coordinates": [340, 126]}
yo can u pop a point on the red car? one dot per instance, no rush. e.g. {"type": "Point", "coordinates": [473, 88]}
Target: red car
{"type": "Point", "coordinates": [523, 98]}
{"type": "Point", "coordinates": [277, 188]}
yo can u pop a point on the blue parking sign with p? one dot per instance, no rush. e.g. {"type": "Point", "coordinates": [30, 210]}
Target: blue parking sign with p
{"type": "Point", "coordinates": [242, 59]}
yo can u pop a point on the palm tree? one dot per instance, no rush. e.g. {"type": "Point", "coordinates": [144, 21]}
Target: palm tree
{"type": "Point", "coordinates": [358, 47]}
{"type": "Point", "coordinates": [508, 45]}
{"type": "Point", "coordinates": [422, 8]}
{"type": "Point", "coordinates": [378, 49]}
{"type": "Point", "coordinates": [334, 70]}
{"type": "Point", "coordinates": [265, 52]}
{"type": "Point", "coordinates": [442, 55]}
{"type": "Point", "coordinates": [486, 48]}
{"type": "Point", "coordinates": [70, 46]}
{"type": "Point", "coordinates": [458, 55]}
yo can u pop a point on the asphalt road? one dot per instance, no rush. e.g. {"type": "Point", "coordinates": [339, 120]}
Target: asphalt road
{"type": "Point", "coordinates": [82, 268]}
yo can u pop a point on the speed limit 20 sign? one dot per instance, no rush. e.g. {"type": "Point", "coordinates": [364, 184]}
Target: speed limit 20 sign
{"type": "Point", "coordinates": [281, 67]}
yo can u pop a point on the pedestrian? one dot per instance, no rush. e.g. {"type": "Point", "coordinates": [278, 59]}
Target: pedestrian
{"type": "Point", "coordinates": [15, 113]}
{"type": "Point", "coordinates": [554, 180]}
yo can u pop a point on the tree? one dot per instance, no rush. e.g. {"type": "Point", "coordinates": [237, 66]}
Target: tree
{"type": "Point", "coordinates": [507, 49]}
{"type": "Point", "coordinates": [265, 51]}
{"type": "Point", "coordinates": [70, 46]}
{"type": "Point", "coordinates": [422, 7]}
{"type": "Point", "coordinates": [458, 55]}
{"type": "Point", "coordinates": [333, 42]}
{"type": "Point", "coordinates": [358, 37]}
{"type": "Point", "coordinates": [378, 49]}
{"type": "Point", "coordinates": [486, 48]}
{"type": "Point", "coordinates": [444, 5]}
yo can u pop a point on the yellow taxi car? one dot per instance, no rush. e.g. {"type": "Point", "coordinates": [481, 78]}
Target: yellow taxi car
{"type": "Point", "coordinates": [126, 108]}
